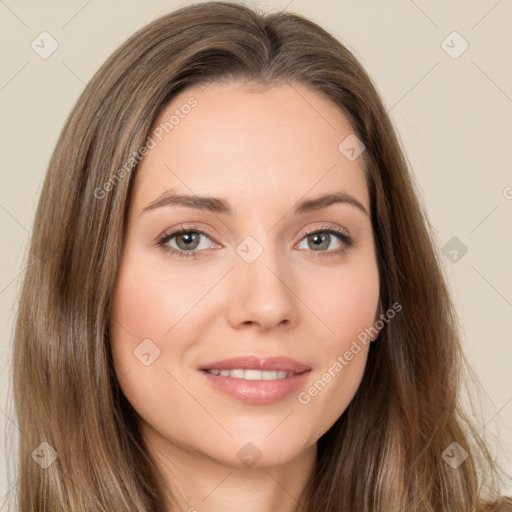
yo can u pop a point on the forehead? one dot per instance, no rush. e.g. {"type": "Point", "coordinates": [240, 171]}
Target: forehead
{"type": "Point", "coordinates": [229, 140]}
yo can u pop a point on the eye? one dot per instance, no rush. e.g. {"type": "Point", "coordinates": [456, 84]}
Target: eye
{"type": "Point", "coordinates": [187, 242]}
{"type": "Point", "coordinates": [323, 239]}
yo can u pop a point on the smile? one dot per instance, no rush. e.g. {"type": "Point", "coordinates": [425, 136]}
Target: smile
{"type": "Point", "coordinates": [248, 374]}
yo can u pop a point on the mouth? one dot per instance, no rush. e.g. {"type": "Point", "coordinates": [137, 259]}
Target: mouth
{"type": "Point", "coordinates": [256, 381]}
{"type": "Point", "coordinates": [264, 364]}
{"type": "Point", "coordinates": [248, 374]}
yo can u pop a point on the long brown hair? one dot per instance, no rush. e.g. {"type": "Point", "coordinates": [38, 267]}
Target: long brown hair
{"type": "Point", "coordinates": [385, 453]}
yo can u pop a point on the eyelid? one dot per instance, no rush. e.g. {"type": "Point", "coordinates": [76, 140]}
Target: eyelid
{"type": "Point", "coordinates": [326, 227]}
{"type": "Point", "coordinates": [183, 228]}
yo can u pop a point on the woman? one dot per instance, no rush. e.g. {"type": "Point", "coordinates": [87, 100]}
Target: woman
{"type": "Point", "coordinates": [233, 301]}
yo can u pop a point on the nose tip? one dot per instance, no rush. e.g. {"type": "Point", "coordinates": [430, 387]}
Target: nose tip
{"type": "Point", "coordinates": [260, 296]}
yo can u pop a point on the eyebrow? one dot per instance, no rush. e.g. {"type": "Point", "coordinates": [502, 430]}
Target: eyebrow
{"type": "Point", "coordinates": [219, 205]}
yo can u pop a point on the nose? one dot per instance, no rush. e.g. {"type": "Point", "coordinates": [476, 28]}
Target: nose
{"type": "Point", "coordinates": [263, 293]}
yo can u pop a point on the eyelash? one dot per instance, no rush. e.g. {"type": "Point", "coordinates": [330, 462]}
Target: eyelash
{"type": "Point", "coordinates": [345, 239]}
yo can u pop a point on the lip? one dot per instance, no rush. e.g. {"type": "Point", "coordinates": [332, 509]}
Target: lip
{"type": "Point", "coordinates": [257, 363]}
{"type": "Point", "coordinates": [263, 392]}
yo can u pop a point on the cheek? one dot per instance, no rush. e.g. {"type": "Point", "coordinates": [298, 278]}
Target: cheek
{"type": "Point", "coordinates": [143, 303]}
{"type": "Point", "coordinates": [332, 389]}
{"type": "Point", "coordinates": [346, 301]}
{"type": "Point", "coordinates": [145, 306]}
{"type": "Point", "coordinates": [150, 300]}
{"type": "Point", "coordinates": [336, 382]}
{"type": "Point", "coordinates": [141, 314]}
{"type": "Point", "coordinates": [348, 308]}
{"type": "Point", "coordinates": [151, 307]}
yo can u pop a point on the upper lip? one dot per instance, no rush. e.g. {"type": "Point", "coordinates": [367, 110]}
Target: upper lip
{"type": "Point", "coordinates": [279, 363]}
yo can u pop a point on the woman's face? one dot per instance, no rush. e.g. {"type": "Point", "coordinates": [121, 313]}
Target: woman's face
{"type": "Point", "coordinates": [259, 272]}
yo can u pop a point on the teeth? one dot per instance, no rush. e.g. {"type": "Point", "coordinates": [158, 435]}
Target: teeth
{"type": "Point", "coordinates": [248, 374]}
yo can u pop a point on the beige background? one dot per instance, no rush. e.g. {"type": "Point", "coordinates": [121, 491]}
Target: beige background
{"type": "Point", "coordinates": [453, 114]}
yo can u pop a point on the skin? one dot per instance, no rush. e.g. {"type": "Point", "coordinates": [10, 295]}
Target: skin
{"type": "Point", "coordinates": [262, 152]}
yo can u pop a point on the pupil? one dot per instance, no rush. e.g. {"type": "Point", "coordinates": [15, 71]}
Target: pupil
{"type": "Point", "coordinates": [188, 239]}
{"type": "Point", "coordinates": [320, 239]}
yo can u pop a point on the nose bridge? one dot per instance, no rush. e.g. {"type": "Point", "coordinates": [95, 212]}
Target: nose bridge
{"type": "Point", "coordinates": [262, 284]}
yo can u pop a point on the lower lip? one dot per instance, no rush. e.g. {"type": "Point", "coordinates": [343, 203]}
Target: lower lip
{"type": "Point", "coordinates": [258, 392]}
